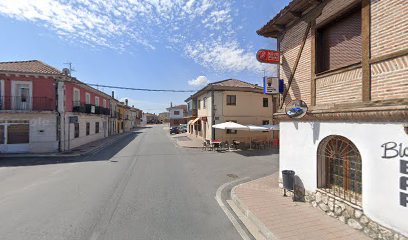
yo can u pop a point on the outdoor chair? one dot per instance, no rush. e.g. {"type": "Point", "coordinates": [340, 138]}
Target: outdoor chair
{"type": "Point", "coordinates": [209, 145]}
{"type": "Point", "coordinates": [204, 146]}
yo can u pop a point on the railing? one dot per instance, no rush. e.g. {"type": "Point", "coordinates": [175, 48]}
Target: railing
{"type": "Point", "coordinates": [89, 108]}
{"type": "Point", "coordinates": [191, 113]}
{"type": "Point", "coordinates": [19, 103]}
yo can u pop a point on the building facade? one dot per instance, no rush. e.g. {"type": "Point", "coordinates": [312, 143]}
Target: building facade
{"type": "Point", "coordinates": [45, 110]}
{"type": "Point", "coordinates": [230, 100]}
{"type": "Point", "coordinates": [28, 112]}
{"type": "Point", "coordinates": [84, 113]}
{"type": "Point", "coordinates": [177, 115]}
{"type": "Point", "coordinates": [348, 61]}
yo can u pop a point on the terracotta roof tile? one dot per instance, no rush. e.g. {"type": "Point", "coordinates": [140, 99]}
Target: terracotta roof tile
{"type": "Point", "coordinates": [32, 66]}
{"type": "Point", "coordinates": [234, 83]}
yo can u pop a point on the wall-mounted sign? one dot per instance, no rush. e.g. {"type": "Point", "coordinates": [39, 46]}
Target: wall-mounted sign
{"type": "Point", "coordinates": [394, 150]}
{"type": "Point", "coordinates": [268, 56]}
{"type": "Point", "coordinates": [273, 85]}
{"type": "Point", "coordinates": [296, 109]}
{"type": "Point", "coordinates": [73, 119]}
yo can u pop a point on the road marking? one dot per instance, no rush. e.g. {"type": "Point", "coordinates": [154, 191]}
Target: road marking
{"type": "Point", "coordinates": [230, 216]}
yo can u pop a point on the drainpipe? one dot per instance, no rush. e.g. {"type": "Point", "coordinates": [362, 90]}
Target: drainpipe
{"type": "Point", "coordinates": [58, 127]}
{"type": "Point", "coordinates": [212, 115]}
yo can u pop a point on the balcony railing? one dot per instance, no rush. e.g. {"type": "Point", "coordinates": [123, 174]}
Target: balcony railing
{"type": "Point", "coordinates": [191, 113]}
{"type": "Point", "coordinates": [89, 108]}
{"type": "Point", "coordinates": [19, 103]}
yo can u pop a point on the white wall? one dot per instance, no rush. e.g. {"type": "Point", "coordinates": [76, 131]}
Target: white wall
{"type": "Point", "coordinates": [42, 132]}
{"type": "Point", "coordinates": [381, 193]}
{"type": "Point", "coordinates": [83, 138]}
{"type": "Point", "coordinates": [173, 116]}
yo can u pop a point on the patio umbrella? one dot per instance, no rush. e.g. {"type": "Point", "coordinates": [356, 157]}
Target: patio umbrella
{"type": "Point", "coordinates": [271, 127]}
{"type": "Point", "coordinates": [230, 126]}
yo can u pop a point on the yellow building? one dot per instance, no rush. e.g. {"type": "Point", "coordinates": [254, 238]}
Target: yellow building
{"type": "Point", "coordinates": [230, 100]}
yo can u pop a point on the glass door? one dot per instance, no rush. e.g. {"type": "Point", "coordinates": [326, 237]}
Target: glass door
{"type": "Point", "coordinates": [22, 99]}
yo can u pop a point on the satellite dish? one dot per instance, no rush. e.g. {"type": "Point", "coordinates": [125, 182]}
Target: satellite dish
{"type": "Point", "coordinates": [296, 109]}
{"type": "Point", "coordinates": [66, 71]}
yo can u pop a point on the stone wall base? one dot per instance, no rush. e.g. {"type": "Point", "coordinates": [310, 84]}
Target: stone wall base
{"type": "Point", "coordinates": [347, 213]}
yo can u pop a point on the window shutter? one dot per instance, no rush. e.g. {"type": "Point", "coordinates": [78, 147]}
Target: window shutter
{"type": "Point", "coordinates": [340, 42]}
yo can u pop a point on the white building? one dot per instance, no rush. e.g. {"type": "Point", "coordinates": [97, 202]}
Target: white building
{"type": "Point", "coordinates": [350, 151]}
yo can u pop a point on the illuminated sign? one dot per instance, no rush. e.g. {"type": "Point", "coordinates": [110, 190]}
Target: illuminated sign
{"type": "Point", "coordinates": [268, 56]}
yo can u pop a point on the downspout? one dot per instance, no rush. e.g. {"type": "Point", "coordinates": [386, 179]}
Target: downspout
{"type": "Point", "coordinates": [58, 127]}
{"type": "Point", "coordinates": [212, 115]}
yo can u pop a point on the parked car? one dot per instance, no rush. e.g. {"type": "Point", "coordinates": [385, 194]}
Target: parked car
{"type": "Point", "coordinates": [174, 130]}
{"type": "Point", "coordinates": [183, 128]}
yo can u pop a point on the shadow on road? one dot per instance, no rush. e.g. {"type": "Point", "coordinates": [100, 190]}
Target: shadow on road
{"type": "Point", "coordinates": [104, 154]}
{"type": "Point", "coordinates": [257, 152]}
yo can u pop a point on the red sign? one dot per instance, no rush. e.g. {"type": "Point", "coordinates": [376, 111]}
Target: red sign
{"type": "Point", "coordinates": [268, 56]}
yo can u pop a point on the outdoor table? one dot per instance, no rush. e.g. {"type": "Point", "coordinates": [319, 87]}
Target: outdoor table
{"type": "Point", "coordinates": [216, 143]}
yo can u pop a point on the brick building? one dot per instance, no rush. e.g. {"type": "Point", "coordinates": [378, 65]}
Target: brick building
{"type": "Point", "coordinates": [348, 60]}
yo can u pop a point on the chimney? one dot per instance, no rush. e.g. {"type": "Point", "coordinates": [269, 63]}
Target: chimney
{"type": "Point", "coordinates": [126, 101]}
{"type": "Point", "coordinates": [113, 94]}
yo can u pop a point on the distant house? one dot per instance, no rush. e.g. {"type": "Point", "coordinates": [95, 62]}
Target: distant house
{"type": "Point", "coordinates": [229, 100]}
{"type": "Point", "coordinates": [177, 115]}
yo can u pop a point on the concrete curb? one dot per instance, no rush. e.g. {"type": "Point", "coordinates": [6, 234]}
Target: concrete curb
{"type": "Point", "coordinates": [62, 154]}
{"type": "Point", "coordinates": [254, 220]}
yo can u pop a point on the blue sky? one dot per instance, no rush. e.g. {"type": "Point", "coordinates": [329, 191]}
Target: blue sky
{"type": "Point", "coordinates": [166, 44]}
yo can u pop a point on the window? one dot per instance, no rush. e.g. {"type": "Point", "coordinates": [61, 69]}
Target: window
{"type": "Point", "coordinates": [338, 43]}
{"type": "Point", "coordinates": [176, 112]}
{"type": "Point", "coordinates": [265, 122]}
{"type": "Point", "coordinates": [265, 102]}
{"type": "Point", "coordinates": [229, 131]}
{"type": "Point", "coordinates": [88, 128]}
{"type": "Point", "coordinates": [96, 127]}
{"type": "Point", "coordinates": [76, 130]}
{"type": "Point", "coordinates": [199, 104]}
{"type": "Point", "coordinates": [77, 97]}
{"type": "Point", "coordinates": [104, 103]}
{"type": "Point", "coordinates": [339, 168]}
{"type": "Point", "coordinates": [87, 98]}
{"type": "Point", "coordinates": [2, 134]}
{"type": "Point", "coordinates": [204, 101]}
{"type": "Point", "coordinates": [18, 133]}
{"type": "Point", "coordinates": [97, 101]}
{"type": "Point", "coordinates": [231, 99]}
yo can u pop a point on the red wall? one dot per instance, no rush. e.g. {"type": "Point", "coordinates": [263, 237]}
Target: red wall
{"type": "Point", "coordinates": [42, 86]}
{"type": "Point", "coordinates": [69, 96]}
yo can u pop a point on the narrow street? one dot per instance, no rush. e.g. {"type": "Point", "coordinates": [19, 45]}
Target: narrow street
{"type": "Point", "coordinates": [142, 187]}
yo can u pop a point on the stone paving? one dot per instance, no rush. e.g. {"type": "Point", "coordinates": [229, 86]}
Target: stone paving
{"type": "Point", "coordinates": [284, 219]}
{"type": "Point", "coordinates": [188, 140]}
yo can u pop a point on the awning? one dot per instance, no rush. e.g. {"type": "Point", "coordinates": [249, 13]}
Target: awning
{"type": "Point", "coordinates": [189, 122]}
{"type": "Point", "coordinates": [271, 127]}
{"type": "Point", "coordinates": [194, 121]}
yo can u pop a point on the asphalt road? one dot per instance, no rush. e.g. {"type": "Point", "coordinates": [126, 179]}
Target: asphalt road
{"type": "Point", "coordinates": [142, 187]}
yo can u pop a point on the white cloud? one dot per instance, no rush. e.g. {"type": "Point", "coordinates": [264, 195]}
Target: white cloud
{"type": "Point", "coordinates": [203, 30]}
{"type": "Point", "coordinates": [223, 56]}
{"type": "Point", "coordinates": [199, 81]}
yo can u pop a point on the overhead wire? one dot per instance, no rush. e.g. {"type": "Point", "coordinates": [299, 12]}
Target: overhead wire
{"type": "Point", "coordinates": [139, 89]}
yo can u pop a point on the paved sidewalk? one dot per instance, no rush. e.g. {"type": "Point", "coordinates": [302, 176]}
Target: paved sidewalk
{"type": "Point", "coordinates": [75, 152]}
{"type": "Point", "coordinates": [187, 140]}
{"type": "Point", "coordinates": [278, 217]}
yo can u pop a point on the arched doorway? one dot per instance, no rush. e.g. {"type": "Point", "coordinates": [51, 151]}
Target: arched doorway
{"type": "Point", "coordinates": [339, 168]}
